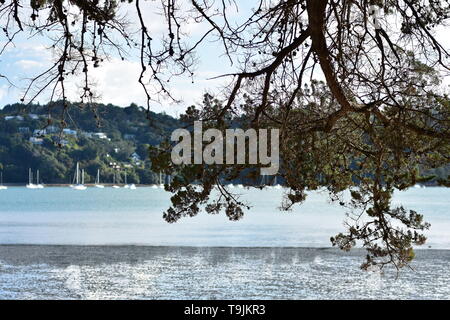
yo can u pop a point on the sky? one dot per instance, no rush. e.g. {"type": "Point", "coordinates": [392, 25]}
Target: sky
{"type": "Point", "coordinates": [116, 80]}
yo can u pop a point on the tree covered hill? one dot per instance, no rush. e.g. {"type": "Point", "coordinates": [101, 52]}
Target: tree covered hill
{"type": "Point", "coordinates": [108, 136]}
{"type": "Point", "coordinates": [101, 138]}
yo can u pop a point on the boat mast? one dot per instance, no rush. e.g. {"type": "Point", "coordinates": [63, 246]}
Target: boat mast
{"type": "Point", "coordinates": [82, 177]}
{"type": "Point", "coordinates": [98, 177]}
{"type": "Point", "coordinates": [37, 176]}
{"type": "Point", "coordinates": [78, 174]}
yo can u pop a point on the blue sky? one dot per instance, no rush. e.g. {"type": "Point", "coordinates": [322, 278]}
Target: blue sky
{"type": "Point", "coordinates": [116, 80]}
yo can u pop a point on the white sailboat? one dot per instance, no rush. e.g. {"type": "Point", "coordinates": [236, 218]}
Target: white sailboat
{"type": "Point", "coordinates": [129, 186]}
{"type": "Point", "coordinates": [97, 181]}
{"type": "Point", "coordinates": [126, 186]}
{"type": "Point", "coordinates": [77, 185]}
{"type": "Point", "coordinates": [2, 187]}
{"type": "Point", "coordinates": [114, 182]}
{"type": "Point", "coordinates": [30, 184]}
{"type": "Point", "coordinates": [38, 185]}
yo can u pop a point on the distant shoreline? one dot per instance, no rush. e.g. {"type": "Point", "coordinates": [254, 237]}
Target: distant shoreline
{"type": "Point", "coordinates": [86, 184]}
{"type": "Point", "coordinates": [123, 184]}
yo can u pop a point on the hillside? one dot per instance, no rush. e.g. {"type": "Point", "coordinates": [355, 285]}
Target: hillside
{"type": "Point", "coordinates": [120, 138]}
{"type": "Point", "coordinates": [111, 139]}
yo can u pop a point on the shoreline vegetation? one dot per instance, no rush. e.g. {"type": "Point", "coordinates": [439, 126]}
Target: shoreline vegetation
{"type": "Point", "coordinates": [117, 144]}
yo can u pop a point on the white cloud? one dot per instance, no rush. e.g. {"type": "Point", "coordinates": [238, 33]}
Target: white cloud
{"type": "Point", "coordinates": [116, 82]}
{"type": "Point", "coordinates": [28, 64]}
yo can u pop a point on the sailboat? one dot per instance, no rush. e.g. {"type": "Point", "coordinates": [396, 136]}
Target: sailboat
{"type": "Point", "coordinates": [30, 184]}
{"type": "Point", "coordinates": [77, 185]}
{"type": "Point", "coordinates": [2, 187]}
{"type": "Point", "coordinates": [114, 182]}
{"type": "Point", "coordinates": [126, 186]}
{"type": "Point", "coordinates": [38, 185]}
{"type": "Point", "coordinates": [97, 180]}
{"type": "Point", "coordinates": [129, 186]}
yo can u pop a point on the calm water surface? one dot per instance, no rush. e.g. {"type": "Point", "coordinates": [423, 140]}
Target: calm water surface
{"type": "Point", "coordinates": [113, 243]}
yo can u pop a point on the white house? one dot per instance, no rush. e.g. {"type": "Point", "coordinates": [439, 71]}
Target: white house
{"type": "Point", "coordinates": [18, 118]}
{"type": "Point", "coordinates": [35, 140]}
{"type": "Point", "coordinates": [39, 132]}
{"type": "Point", "coordinates": [100, 135]}
{"type": "Point", "coordinates": [33, 116]}
{"type": "Point", "coordinates": [135, 158]}
{"type": "Point", "coordinates": [70, 132]}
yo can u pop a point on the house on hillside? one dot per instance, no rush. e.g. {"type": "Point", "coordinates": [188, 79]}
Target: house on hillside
{"type": "Point", "coordinates": [39, 132]}
{"type": "Point", "coordinates": [24, 129]}
{"type": "Point", "coordinates": [70, 132]}
{"type": "Point", "coordinates": [18, 118]}
{"type": "Point", "coordinates": [33, 116]}
{"type": "Point", "coordinates": [100, 135]}
{"type": "Point", "coordinates": [135, 158]}
{"type": "Point", "coordinates": [38, 141]}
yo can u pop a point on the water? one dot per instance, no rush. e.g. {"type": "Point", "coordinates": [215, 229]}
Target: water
{"type": "Point", "coordinates": [113, 243]}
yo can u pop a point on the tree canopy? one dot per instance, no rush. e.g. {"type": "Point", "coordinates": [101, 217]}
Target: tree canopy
{"type": "Point", "coordinates": [355, 87]}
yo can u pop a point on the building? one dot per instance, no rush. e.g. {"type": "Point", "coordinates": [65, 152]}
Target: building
{"type": "Point", "coordinates": [39, 132]}
{"type": "Point", "coordinates": [33, 116]}
{"type": "Point", "coordinates": [99, 135]}
{"type": "Point", "coordinates": [135, 158]}
{"type": "Point", "coordinates": [24, 129]}
{"type": "Point", "coordinates": [18, 118]}
{"type": "Point", "coordinates": [52, 129]}
{"type": "Point", "coordinates": [70, 132]}
{"type": "Point", "coordinates": [37, 141]}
